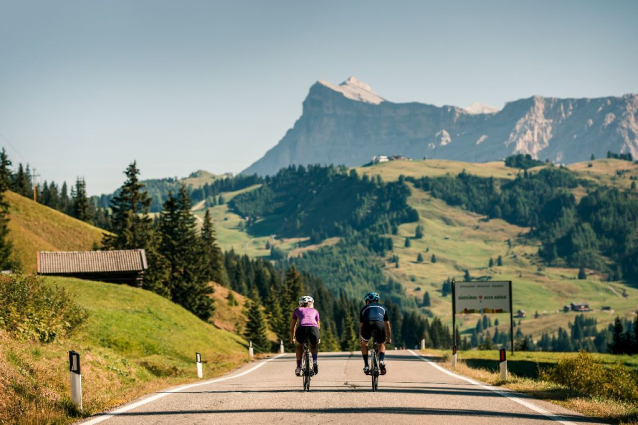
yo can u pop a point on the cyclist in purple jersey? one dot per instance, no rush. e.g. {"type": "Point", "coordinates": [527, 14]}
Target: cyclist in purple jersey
{"type": "Point", "coordinates": [308, 329]}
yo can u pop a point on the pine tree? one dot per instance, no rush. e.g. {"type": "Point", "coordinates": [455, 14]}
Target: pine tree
{"type": "Point", "coordinates": [582, 275]}
{"type": "Point", "coordinates": [6, 246]}
{"type": "Point", "coordinates": [499, 261]}
{"type": "Point", "coordinates": [293, 289]}
{"type": "Point", "coordinates": [65, 202]}
{"type": "Point", "coordinates": [433, 259]}
{"type": "Point", "coordinates": [618, 345]}
{"type": "Point", "coordinates": [407, 243]}
{"type": "Point", "coordinates": [180, 246]}
{"type": "Point", "coordinates": [22, 182]}
{"type": "Point", "coordinates": [81, 207]}
{"type": "Point", "coordinates": [213, 257]}
{"type": "Point", "coordinates": [256, 330]}
{"type": "Point", "coordinates": [491, 263]}
{"type": "Point", "coordinates": [350, 340]}
{"type": "Point", "coordinates": [419, 258]}
{"type": "Point", "coordinates": [329, 342]}
{"type": "Point", "coordinates": [418, 234]}
{"type": "Point", "coordinates": [426, 300]}
{"type": "Point", "coordinates": [467, 276]}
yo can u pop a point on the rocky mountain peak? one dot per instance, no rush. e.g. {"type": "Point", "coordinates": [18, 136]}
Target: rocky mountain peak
{"type": "Point", "coordinates": [355, 89]}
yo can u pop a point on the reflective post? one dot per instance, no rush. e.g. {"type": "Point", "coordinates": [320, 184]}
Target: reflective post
{"type": "Point", "coordinates": [281, 346]}
{"type": "Point", "coordinates": [76, 378]}
{"type": "Point", "coordinates": [251, 354]}
{"type": "Point", "coordinates": [503, 364]}
{"type": "Point", "coordinates": [423, 344]}
{"type": "Point", "coordinates": [454, 356]}
{"type": "Point", "coordinates": [198, 360]}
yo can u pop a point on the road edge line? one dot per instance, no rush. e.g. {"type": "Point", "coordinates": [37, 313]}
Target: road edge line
{"type": "Point", "coordinates": [109, 415]}
{"type": "Point", "coordinates": [529, 405]}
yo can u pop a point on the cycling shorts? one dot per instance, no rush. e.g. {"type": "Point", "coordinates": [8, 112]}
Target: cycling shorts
{"type": "Point", "coordinates": [375, 328]}
{"type": "Point", "coordinates": [310, 333]}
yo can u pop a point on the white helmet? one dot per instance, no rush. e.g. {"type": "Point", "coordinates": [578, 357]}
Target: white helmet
{"type": "Point", "coordinates": [305, 300]}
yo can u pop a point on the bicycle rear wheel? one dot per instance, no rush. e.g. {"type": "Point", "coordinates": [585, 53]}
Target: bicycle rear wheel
{"type": "Point", "coordinates": [306, 372]}
{"type": "Point", "coordinates": [375, 371]}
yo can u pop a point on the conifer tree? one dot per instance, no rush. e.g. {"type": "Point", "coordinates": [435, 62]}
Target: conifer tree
{"type": "Point", "coordinates": [293, 289]}
{"type": "Point", "coordinates": [6, 246]}
{"type": "Point", "coordinates": [256, 330]}
{"type": "Point", "coordinates": [22, 182]}
{"type": "Point", "coordinates": [180, 246]}
{"type": "Point", "coordinates": [499, 261]}
{"type": "Point", "coordinates": [582, 275]}
{"type": "Point", "coordinates": [433, 259]}
{"type": "Point", "coordinates": [426, 300]}
{"type": "Point", "coordinates": [407, 243]}
{"type": "Point", "coordinates": [81, 207]}
{"type": "Point", "coordinates": [213, 257]}
{"type": "Point", "coordinates": [491, 263]}
{"type": "Point", "coordinates": [329, 341]}
{"type": "Point", "coordinates": [419, 258]}
{"type": "Point", "coordinates": [65, 201]}
{"type": "Point", "coordinates": [418, 234]}
{"type": "Point", "coordinates": [350, 340]}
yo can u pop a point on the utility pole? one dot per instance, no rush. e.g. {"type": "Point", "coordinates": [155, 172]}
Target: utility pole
{"type": "Point", "coordinates": [35, 186]}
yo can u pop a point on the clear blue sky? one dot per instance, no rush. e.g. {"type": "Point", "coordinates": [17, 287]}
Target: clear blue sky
{"type": "Point", "coordinates": [86, 87]}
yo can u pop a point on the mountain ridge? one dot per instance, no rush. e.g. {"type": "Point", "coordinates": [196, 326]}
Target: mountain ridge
{"type": "Point", "coordinates": [336, 128]}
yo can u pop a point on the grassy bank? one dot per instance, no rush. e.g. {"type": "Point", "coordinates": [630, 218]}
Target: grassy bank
{"type": "Point", "coordinates": [526, 376]}
{"type": "Point", "coordinates": [134, 342]}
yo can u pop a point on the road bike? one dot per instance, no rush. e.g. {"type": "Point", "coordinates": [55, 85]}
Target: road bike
{"type": "Point", "coordinates": [375, 369]}
{"type": "Point", "coordinates": [307, 370]}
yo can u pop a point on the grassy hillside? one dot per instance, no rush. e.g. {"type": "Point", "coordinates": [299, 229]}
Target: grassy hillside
{"type": "Point", "coordinates": [34, 227]}
{"type": "Point", "coordinates": [134, 342]}
{"type": "Point", "coordinates": [462, 240]}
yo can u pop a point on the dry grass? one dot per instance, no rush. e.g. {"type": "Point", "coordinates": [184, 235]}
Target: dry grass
{"type": "Point", "coordinates": [34, 227]}
{"type": "Point", "coordinates": [608, 410]}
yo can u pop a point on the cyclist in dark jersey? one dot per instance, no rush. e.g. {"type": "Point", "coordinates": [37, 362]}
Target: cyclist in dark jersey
{"type": "Point", "coordinates": [373, 320]}
{"type": "Point", "coordinates": [308, 329]}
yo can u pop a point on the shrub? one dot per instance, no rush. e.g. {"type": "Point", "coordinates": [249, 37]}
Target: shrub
{"type": "Point", "coordinates": [591, 376]}
{"type": "Point", "coordinates": [29, 309]}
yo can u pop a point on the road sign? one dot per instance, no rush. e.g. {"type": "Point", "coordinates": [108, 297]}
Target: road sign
{"type": "Point", "coordinates": [482, 297]}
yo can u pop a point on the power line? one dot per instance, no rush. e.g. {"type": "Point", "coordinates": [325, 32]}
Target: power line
{"type": "Point", "coordinates": [13, 147]}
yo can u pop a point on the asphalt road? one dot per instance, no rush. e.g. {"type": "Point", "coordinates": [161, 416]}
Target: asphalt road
{"type": "Point", "coordinates": [268, 392]}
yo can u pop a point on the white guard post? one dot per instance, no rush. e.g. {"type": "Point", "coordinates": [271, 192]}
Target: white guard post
{"type": "Point", "coordinates": [76, 378]}
{"type": "Point", "coordinates": [198, 359]}
{"type": "Point", "coordinates": [454, 356]}
{"type": "Point", "coordinates": [251, 354]}
{"type": "Point", "coordinates": [281, 346]}
{"type": "Point", "coordinates": [423, 344]}
{"type": "Point", "coordinates": [503, 364]}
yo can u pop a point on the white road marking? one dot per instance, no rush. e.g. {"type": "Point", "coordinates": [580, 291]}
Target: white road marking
{"type": "Point", "coordinates": [109, 415]}
{"type": "Point", "coordinates": [529, 405]}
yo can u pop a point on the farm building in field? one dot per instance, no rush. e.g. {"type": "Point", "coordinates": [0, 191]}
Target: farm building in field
{"type": "Point", "coordinates": [580, 306]}
{"type": "Point", "coordinates": [126, 266]}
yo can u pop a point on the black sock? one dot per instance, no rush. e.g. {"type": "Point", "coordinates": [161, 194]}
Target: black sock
{"type": "Point", "coordinates": [365, 359]}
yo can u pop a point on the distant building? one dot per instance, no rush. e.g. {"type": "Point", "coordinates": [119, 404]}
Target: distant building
{"type": "Point", "coordinates": [379, 158]}
{"type": "Point", "coordinates": [579, 306]}
{"type": "Point", "coordinates": [125, 266]}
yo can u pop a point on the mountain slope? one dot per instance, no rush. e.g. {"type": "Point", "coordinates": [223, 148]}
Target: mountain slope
{"type": "Point", "coordinates": [34, 227]}
{"type": "Point", "coordinates": [349, 124]}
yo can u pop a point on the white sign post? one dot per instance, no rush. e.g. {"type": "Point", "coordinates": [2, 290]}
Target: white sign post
{"type": "Point", "coordinates": [251, 354]}
{"type": "Point", "coordinates": [281, 346]}
{"type": "Point", "coordinates": [198, 360]}
{"type": "Point", "coordinates": [483, 298]}
{"type": "Point", "coordinates": [76, 378]}
{"type": "Point", "coordinates": [503, 364]}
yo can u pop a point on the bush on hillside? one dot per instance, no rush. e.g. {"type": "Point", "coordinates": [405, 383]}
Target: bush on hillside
{"type": "Point", "coordinates": [29, 309]}
{"type": "Point", "coordinates": [591, 376]}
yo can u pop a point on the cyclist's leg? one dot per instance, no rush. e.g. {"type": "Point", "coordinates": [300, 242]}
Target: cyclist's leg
{"type": "Point", "coordinates": [366, 333]}
{"type": "Point", "coordinates": [300, 337]}
{"type": "Point", "coordinates": [379, 336]}
{"type": "Point", "coordinates": [314, 335]}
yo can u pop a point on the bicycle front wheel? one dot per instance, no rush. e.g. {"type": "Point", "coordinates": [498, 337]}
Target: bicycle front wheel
{"type": "Point", "coordinates": [306, 372]}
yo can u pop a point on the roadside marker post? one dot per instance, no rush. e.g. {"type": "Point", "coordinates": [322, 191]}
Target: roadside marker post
{"type": "Point", "coordinates": [281, 346]}
{"type": "Point", "coordinates": [422, 343]}
{"type": "Point", "coordinates": [251, 354]}
{"type": "Point", "coordinates": [198, 360]}
{"type": "Point", "coordinates": [503, 364]}
{"type": "Point", "coordinates": [454, 356]}
{"type": "Point", "coordinates": [76, 378]}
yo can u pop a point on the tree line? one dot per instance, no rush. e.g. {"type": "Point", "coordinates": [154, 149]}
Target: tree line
{"type": "Point", "coordinates": [601, 226]}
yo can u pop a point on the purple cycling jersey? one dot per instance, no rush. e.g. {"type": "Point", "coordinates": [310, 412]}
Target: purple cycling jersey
{"type": "Point", "coordinates": [306, 316]}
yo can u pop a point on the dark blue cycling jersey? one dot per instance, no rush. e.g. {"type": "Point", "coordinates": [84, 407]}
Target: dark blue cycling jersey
{"type": "Point", "coordinates": [373, 312]}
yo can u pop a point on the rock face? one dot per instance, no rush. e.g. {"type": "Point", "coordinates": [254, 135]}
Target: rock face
{"type": "Point", "coordinates": [350, 123]}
